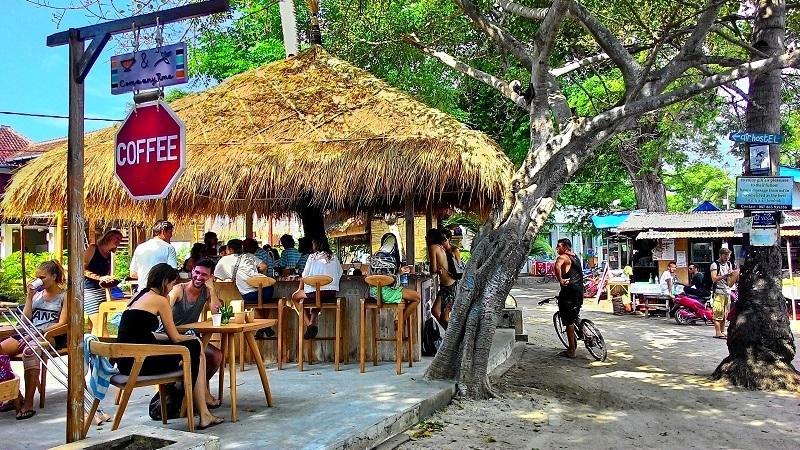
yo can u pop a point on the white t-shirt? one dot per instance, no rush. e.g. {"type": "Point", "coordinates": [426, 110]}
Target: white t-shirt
{"type": "Point", "coordinates": [150, 253]}
{"type": "Point", "coordinates": [667, 275]}
{"type": "Point", "coordinates": [247, 267]}
{"type": "Point", "coordinates": [319, 264]}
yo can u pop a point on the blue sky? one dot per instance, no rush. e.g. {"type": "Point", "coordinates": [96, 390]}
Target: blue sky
{"type": "Point", "coordinates": [33, 77]}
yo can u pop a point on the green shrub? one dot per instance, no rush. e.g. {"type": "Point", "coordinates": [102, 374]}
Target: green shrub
{"type": "Point", "coordinates": [11, 273]}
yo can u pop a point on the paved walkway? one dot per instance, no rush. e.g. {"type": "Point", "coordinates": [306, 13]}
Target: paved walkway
{"type": "Point", "coordinates": [653, 392]}
{"type": "Point", "coordinates": [315, 409]}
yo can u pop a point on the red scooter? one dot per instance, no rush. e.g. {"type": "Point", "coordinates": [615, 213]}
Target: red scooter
{"type": "Point", "coordinates": [688, 310]}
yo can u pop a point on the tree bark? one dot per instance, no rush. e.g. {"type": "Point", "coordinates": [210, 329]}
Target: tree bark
{"type": "Point", "coordinates": [760, 342]}
{"type": "Point", "coordinates": [651, 194]}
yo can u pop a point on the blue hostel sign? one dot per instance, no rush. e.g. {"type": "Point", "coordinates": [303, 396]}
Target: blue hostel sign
{"type": "Point", "coordinates": [758, 138]}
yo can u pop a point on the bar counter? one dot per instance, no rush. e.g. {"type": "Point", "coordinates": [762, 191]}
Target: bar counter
{"type": "Point", "coordinates": [353, 288]}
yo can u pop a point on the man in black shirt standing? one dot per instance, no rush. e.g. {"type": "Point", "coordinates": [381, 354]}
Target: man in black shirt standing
{"type": "Point", "coordinates": [570, 276]}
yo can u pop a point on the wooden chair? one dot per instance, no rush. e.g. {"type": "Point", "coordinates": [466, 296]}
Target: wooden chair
{"type": "Point", "coordinates": [140, 352]}
{"type": "Point", "coordinates": [375, 305]}
{"type": "Point", "coordinates": [339, 305]}
{"type": "Point", "coordinates": [51, 335]}
{"type": "Point", "coordinates": [107, 308]}
{"type": "Point", "coordinates": [260, 283]}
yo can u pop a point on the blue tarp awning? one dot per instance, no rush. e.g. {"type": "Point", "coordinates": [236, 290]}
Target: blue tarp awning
{"type": "Point", "coordinates": [705, 207]}
{"type": "Point", "coordinates": [609, 221]}
{"type": "Point", "coordinates": [794, 172]}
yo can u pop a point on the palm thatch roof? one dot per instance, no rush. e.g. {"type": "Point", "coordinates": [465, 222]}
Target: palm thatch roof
{"type": "Point", "coordinates": [308, 130]}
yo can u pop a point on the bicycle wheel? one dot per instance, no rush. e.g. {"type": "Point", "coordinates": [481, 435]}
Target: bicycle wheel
{"type": "Point", "coordinates": [594, 340]}
{"type": "Point", "coordinates": [561, 330]}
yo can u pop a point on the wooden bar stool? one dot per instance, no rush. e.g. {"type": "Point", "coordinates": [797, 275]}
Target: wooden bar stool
{"type": "Point", "coordinates": [260, 283]}
{"type": "Point", "coordinates": [339, 304]}
{"type": "Point", "coordinates": [375, 305]}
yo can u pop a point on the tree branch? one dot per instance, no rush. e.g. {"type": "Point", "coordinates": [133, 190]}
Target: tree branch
{"type": "Point", "coordinates": [654, 102]}
{"type": "Point", "coordinates": [579, 64]}
{"type": "Point", "coordinates": [500, 35]}
{"type": "Point", "coordinates": [524, 11]}
{"type": "Point", "coordinates": [609, 43]}
{"type": "Point", "coordinates": [469, 71]}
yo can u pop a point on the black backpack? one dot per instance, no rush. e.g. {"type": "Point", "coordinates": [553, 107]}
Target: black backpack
{"type": "Point", "coordinates": [708, 284]}
{"type": "Point", "coordinates": [174, 399]}
{"type": "Point", "coordinates": [386, 261]}
{"type": "Point", "coordinates": [431, 337]}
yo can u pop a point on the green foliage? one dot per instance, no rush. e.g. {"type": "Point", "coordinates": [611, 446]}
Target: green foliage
{"type": "Point", "coordinates": [700, 181]}
{"type": "Point", "coordinates": [541, 247]}
{"type": "Point", "coordinates": [11, 273]}
{"type": "Point", "coordinates": [122, 264]}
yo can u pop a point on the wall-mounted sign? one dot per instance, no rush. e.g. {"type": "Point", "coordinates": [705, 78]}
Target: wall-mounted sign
{"type": "Point", "coordinates": [149, 69]}
{"type": "Point", "coordinates": [665, 250]}
{"type": "Point", "coordinates": [742, 224]}
{"type": "Point", "coordinates": [759, 159]}
{"type": "Point", "coordinates": [763, 237]}
{"type": "Point", "coordinates": [764, 220]}
{"type": "Point", "coordinates": [764, 192]}
{"type": "Point", "coordinates": [760, 138]}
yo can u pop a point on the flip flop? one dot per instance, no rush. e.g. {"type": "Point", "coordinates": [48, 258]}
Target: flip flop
{"type": "Point", "coordinates": [26, 415]}
{"type": "Point", "coordinates": [215, 404]}
{"type": "Point", "coordinates": [564, 354]}
{"type": "Point", "coordinates": [720, 337]}
{"type": "Point", "coordinates": [216, 421]}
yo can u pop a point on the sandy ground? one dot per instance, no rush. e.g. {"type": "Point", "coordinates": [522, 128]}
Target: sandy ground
{"type": "Point", "coordinates": [652, 392]}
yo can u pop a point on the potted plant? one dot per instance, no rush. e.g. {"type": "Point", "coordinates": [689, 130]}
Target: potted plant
{"type": "Point", "coordinates": [225, 312]}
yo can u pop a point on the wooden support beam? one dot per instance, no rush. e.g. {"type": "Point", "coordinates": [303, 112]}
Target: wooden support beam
{"type": "Point", "coordinates": [163, 208]}
{"type": "Point", "coordinates": [409, 244]}
{"type": "Point", "coordinates": [59, 237]}
{"type": "Point", "coordinates": [22, 254]}
{"type": "Point", "coordinates": [248, 225]}
{"type": "Point", "coordinates": [428, 220]}
{"type": "Point", "coordinates": [75, 221]}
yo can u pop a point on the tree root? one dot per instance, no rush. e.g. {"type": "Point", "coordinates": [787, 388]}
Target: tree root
{"type": "Point", "coordinates": [755, 374]}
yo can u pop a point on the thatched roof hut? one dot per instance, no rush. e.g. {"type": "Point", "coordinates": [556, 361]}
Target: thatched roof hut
{"type": "Point", "coordinates": [309, 130]}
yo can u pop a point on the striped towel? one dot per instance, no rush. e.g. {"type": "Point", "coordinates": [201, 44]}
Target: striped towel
{"type": "Point", "coordinates": [100, 368]}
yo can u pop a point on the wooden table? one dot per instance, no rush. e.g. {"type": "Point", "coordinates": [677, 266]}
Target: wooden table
{"type": "Point", "coordinates": [229, 334]}
{"type": "Point", "coordinates": [6, 331]}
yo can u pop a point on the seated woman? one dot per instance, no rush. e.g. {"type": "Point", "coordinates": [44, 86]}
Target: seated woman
{"type": "Point", "coordinates": [321, 262]}
{"type": "Point", "coordinates": [197, 252]}
{"type": "Point", "coordinates": [44, 309]}
{"type": "Point", "coordinates": [140, 321]}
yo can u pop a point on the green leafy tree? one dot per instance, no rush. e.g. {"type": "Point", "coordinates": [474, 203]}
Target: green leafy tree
{"type": "Point", "coordinates": [698, 182]}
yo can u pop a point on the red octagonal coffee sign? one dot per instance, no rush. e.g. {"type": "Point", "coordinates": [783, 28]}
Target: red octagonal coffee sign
{"type": "Point", "coordinates": [150, 151]}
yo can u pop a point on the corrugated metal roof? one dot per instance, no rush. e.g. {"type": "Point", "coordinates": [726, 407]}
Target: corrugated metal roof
{"type": "Point", "coordinates": [680, 221]}
{"type": "Point", "coordinates": [703, 234]}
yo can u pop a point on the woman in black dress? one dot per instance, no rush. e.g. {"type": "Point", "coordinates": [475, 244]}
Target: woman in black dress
{"type": "Point", "coordinates": [140, 321]}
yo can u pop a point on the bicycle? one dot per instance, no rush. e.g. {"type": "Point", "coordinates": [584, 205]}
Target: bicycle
{"type": "Point", "coordinates": [586, 332]}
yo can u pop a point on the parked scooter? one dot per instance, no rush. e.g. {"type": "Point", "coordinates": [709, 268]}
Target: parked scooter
{"type": "Point", "coordinates": [688, 310]}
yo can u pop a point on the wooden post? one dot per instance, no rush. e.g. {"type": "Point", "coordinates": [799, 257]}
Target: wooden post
{"type": "Point", "coordinates": [269, 238]}
{"type": "Point", "coordinates": [248, 225]}
{"type": "Point", "coordinates": [368, 231]}
{"type": "Point", "coordinates": [428, 220]}
{"type": "Point", "coordinates": [196, 231]}
{"type": "Point", "coordinates": [59, 237]}
{"type": "Point", "coordinates": [75, 222]}
{"type": "Point", "coordinates": [409, 244]}
{"type": "Point", "coordinates": [22, 254]}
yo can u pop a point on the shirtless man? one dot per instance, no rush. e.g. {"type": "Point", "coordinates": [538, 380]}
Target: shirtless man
{"type": "Point", "coordinates": [437, 255]}
{"type": "Point", "coordinates": [188, 302]}
{"type": "Point", "coordinates": [569, 275]}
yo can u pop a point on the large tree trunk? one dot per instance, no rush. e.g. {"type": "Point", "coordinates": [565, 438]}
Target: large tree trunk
{"type": "Point", "coordinates": [646, 178]}
{"type": "Point", "coordinates": [760, 342]}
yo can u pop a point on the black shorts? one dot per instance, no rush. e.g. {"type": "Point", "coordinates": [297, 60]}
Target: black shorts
{"type": "Point", "coordinates": [570, 300]}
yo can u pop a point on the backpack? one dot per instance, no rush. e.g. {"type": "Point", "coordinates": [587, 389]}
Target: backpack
{"type": "Point", "coordinates": [174, 399]}
{"type": "Point", "coordinates": [386, 261]}
{"type": "Point", "coordinates": [431, 337]}
{"type": "Point", "coordinates": [707, 283]}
